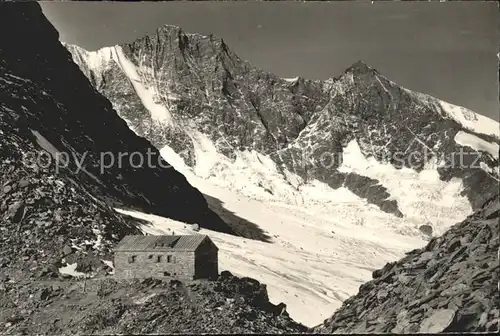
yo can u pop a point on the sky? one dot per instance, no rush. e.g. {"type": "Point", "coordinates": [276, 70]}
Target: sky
{"type": "Point", "coordinates": [448, 50]}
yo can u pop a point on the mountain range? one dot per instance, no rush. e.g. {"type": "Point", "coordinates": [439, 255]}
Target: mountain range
{"type": "Point", "coordinates": [212, 113]}
{"type": "Point", "coordinates": [310, 185]}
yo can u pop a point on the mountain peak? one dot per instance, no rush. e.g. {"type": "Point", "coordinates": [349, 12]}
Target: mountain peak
{"type": "Point", "coordinates": [171, 30]}
{"type": "Point", "coordinates": [360, 67]}
{"type": "Point", "coordinates": [174, 32]}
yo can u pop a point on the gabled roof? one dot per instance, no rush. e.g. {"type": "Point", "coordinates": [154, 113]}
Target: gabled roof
{"type": "Point", "coordinates": [160, 243]}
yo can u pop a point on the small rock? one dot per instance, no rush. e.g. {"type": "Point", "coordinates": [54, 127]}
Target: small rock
{"type": "Point", "coordinates": [7, 189]}
{"type": "Point", "coordinates": [483, 319]}
{"type": "Point", "coordinates": [454, 245]}
{"type": "Point", "coordinates": [404, 279]}
{"type": "Point", "coordinates": [493, 325]}
{"type": "Point", "coordinates": [382, 294]}
{"type": "Point", "coordinates": [16, 211]}
{"type": "Point", "coordinates": [426, 256]}
{"type": "Point", "coordinates": [43, 294]}
{"type": "Point", "coordinates": [24, 183]}
{"type": "Point", "coordinates": [376, 274]}
{"type": "Point", "coordinates": [438, 321]}
{"type": "Point", "coordinates": [459, 266]}
{"type": "Point", "coordinates": [67, 250]}
{"type": "Point", "coordinates": [225, 274]}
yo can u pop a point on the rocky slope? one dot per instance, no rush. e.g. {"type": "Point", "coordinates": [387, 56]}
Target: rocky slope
{"type": "Point", "coordinates": [450, 285]}
{"type": "Point", "coordinates": [228, 305]}
{"type": "Point", "coordinates": [56, 211]}
{"type": "Point", "coordinates": [56, 192]}
{"type": "Point", "coordinates": [46, 100]}
{"type": "Point", "coordinates": [231, 122]}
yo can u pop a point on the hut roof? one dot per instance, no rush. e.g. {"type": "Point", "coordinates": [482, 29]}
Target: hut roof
{"type": "Point", "coordinates": [160, 243]}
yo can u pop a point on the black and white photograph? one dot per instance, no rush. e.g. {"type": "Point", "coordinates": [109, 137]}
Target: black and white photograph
{"type": "Point", "coordinates": [236, 167]}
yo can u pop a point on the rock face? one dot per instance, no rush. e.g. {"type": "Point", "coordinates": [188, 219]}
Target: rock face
{"type": "Point", "coordinates": [450, 285]}
{"type": "Point", "coordinates": [56, 193]}
{"type": "Point", "coordinates": [228, 305]}
{"type": "Point", "coordinates": [47, 101]}
{"type": "Point", "coordinates": [193, 95]}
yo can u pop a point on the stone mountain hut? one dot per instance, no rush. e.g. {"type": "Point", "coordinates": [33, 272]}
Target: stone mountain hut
{"type": "Point", "coordinates": [186, 257]}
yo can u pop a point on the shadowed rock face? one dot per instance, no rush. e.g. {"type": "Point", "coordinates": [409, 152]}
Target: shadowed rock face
{"type": "Point", "coordinates": [450, 285]}
{"type": "Point", "coordinates": [51, 211]}
{"type": "Point", "coordinates": [45, 98]}
{"type": "Point", "coordinates": [202, 87]}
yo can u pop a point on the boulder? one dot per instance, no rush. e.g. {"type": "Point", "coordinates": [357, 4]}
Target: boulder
{"type": "Point", "coordinates": [492, 210]}
{"type": "Point", "coordinates": [438, 321]}
{"type": "Point", "coordinates": [426, 230]}
{"type": "Point", "coordinates": [43, 294]}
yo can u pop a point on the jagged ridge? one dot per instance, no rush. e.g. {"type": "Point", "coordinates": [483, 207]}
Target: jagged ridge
{"type": "Point", "coordinates": [209, 95]}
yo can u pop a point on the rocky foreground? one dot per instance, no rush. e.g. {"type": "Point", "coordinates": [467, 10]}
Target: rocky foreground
{"type": "Point", "coordinates": [47, 219]}
{"type": "Point", "coordinates": [451, 285]}
{"type": "Point", "coordinates": [56, 198]}
{"type": "Point", "coordinates": [228, 305]}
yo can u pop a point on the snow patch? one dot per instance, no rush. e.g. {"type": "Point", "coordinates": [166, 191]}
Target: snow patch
{"type": "Point", "coordinates": [471, 120]}
{"type": "Point", "coordinates": [469, 140]}
{"type": "Point", "coordinates": [47, 146]}
{"type": "Point", "coordinates": [70, 269]}
{"type": "Point", "coordinates": [143, 299]}
{"type": "Point", "coordinates": [174, 159]}
{"type": "Point", "coordinates": [251, 173]}
{"type": "Point", "coordinates": [96, 61]}
{"type": "Point", "coordinates": [108, 263]}
{"type": "Point", "coordinates": [97, 244]}
{"type": "Point", "coordinates": [148, 95]}
{"type": "Point", "coordinates": [291, 80]}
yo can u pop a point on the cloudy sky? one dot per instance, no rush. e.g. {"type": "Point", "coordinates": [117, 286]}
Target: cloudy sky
{"type": "Point", "coordinates": [446, 49]}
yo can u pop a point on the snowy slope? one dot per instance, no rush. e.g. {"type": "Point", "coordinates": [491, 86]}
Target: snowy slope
{"type": "Point", "coordinates": [470, 140]}
{"type": "Point", "coordinates": [471, 120]}
{"type": "Point", "coordinates": [325, 242]}
{"type": "Point", "coordinates": [423, 197]}
{"type": "Point", "coordinates": [147, 95]}
{"type": "Point", "coordinates": [319, 255]}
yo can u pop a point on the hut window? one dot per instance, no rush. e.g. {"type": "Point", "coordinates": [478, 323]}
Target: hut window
{"type": "Point", "coordinates": [132, 259]}
{"type": "Point", "coordinates": [169, 258]}
{"type": "Point", "coordinates": [158, 258]}
{"type": "Point", "coordinates": [166, 274]}
{"type": "Point", "coordinates": [150, 256]}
